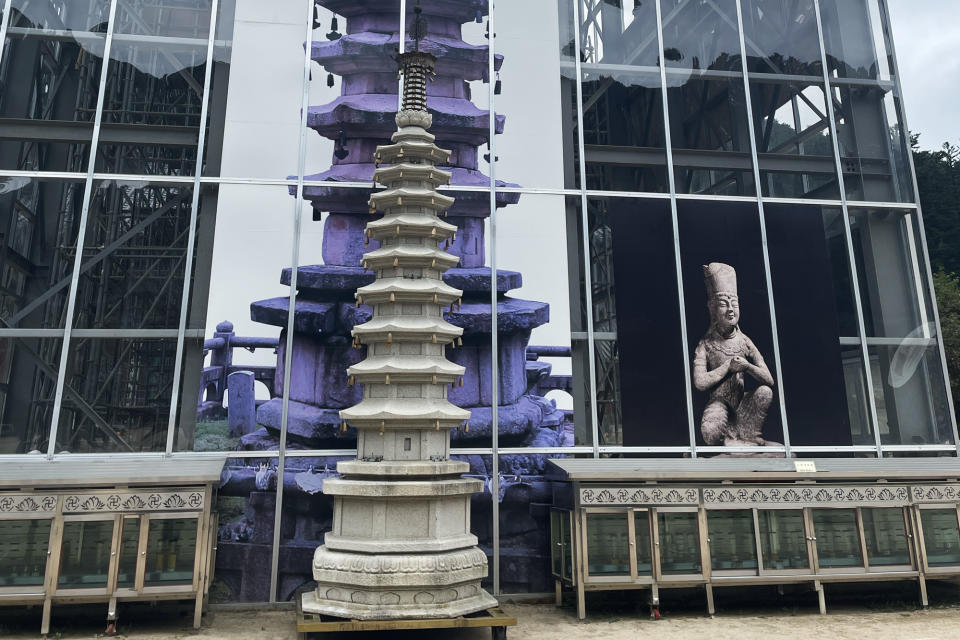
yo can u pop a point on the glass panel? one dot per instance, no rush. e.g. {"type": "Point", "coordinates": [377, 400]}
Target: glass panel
{"type": "Point", "coordinates": [640, 378]}
{"type": "Point", "coordinates": [567, 540]}
{"type": "Point", "coordinates": [911, 393]}
{"type": "Point", "coordinates": [117, 395]}
{"type": "Point", "coordinates": [52, 54]}
{"type": "Point", "coordinates": [941, 539]}
{"type": "Point", "coordinates": [641, 538]}
{"type": "Point", "coordinates": [838, 540]}
{"type": "Point", "coordinates": [535, 92]}
{"type": "Point", "coordinates": [85, 554]}
{"type": "Point", "coordinates": [257, 89]}
{"type": "Point", "coordinates": [556, 543]}
{"type": "Point", "coordinates": [889, 257]}
{"type": "Point", "coordinates": [733, 544]}
{"type": "Point", "coordinates": [136, 251]}
{"type": "Point", "coordinates": [23, 552]}
{"type": "Point", "coordinates": [625, 143]}
{"type": "Point", "coordinates": [701, 35]}
{"type": "Point", "coordinates": [815, 303]}
{"type": "Point", "coordinates": [608, 550]}
{"type": "Point", "coordinates": [735, 402]}
{"type": "Point", "coordinates": [246, 506]}
{"type": "Point", "coordinates": [40, 219]}
{"type": "Point", "coordinates": [783, 539]}
{"type": "Point", "coordinates": [28, 381]}
{"type": "Point", "coordinates": [679, 543]}
{"type": "Point", "coordinates": [185, 19]}
{"type": "Point", "coordinates": [886, 537]}
{"type": "Point", "coordinates": [152, 104]}
{"type": "Point", "coordinates": [794, 146]}
{"type": "Point", "coordinates": [171, 547]}
{"type": "Point", "coordinates": [781, 37]}
{"type": "Point", "coordinates": [129, 545]}
{"type": "Point", "coordinates": [240, 361]}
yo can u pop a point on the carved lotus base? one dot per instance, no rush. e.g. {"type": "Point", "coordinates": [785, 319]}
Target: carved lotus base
{"type": "Point", "coordinates": [389, 586]}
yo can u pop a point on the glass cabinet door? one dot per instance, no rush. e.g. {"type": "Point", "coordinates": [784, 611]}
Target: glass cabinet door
{"type": "Point", "coordinates": [129, 545]}
{"type": "Point", "coordinates": [783, 540]}
{"type": "Point", "coordinates": [885, 534]}
{"type": "Point", "coordinates": [567, 540]}
{"type": "Point", "coordinates": [556, 544]}
{"type": "Point", "coordinates": [23, 552]}
{"type": "Point", "coordinates": [733, 545]}
{"type": "Point", "coordinates": [679, 543]}
{"type": "Point", "coordinates": [838, 538]}
{"type": "Point", "coordinates": [941, 539]}
{"type": "Point", "coordinates": [171, 547]}
{"type": "Point", "coordinates": [85, 554]}
{"type": "Point", "coordinates": [641, 539]}
{"type": "Point", "coordinates": [608, 549]}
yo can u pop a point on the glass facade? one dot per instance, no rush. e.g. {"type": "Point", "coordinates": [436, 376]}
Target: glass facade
{"type": "Point", "coordinates": [184, 183]}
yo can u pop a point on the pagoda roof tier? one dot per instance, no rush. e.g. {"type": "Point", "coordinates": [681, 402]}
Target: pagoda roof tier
{"type": "Point", "coordinates": [408, 171]}
{"type": "Point", "coordinates": [406, 368]}
{"type": "Point", "coordinates": [407, 329]}
{"type": "Point", "coordinates": [409, 256]}
{"type": "Point", "coordinates": [371, 52]}
{"type": "Point", "coordinates": [329, 278]}
{"type": "Point", "coordinates": [513, 315]}
{"type": "Point", "coordinates": [413, 150]}
{"type": "Point", "coordinates": [410, 197]}
{"type": "Point", "coordinates": [356, 201]}
{"type": "Point", "coordinates": [398, 413]}
{"type": "Point", "coordinates": [400, 469]}
{"type": "Point", "coordinates": [371, 115]}
{"type": "Point", "coordinates": [460, 10]}
{"type": "Point", "coordinates": [422, 290]}
{"type": "Point", "coordinates": [410, 224]}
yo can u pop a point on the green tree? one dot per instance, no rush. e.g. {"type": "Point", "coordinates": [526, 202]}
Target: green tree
{"type": "Point", "coordinates": [948, 300]}
{"type": "Point", "coordinates": [938, 179]}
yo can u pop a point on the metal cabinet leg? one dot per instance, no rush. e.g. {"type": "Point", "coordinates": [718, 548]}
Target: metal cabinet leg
{"type": "Point", "coordinates": [45, 621]}
{"type": "Point", "coordinates": [924, 602]}
{"type": "Point", "coordinates": [581, 602]}
{"type": "Point", "coordinates": [198, 611]}
{"type": "Point", "coordinates": [821, 599]}
{"type": "Point", "coordinates": [558, 593]}
{"type": "Point", "coordinates": [710, 608]}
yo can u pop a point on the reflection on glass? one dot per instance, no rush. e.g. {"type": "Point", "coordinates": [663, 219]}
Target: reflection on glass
{"type": "Point", "coordinates": [700, 35]}
{"type": "Point", "coordinates": [794, 146]}
{"type": "Point", "coordinates": [709, 114]}
{"type": "Point", "coordinates": [119, 398]}
{"type": "Point", "coordinates": [171, 546]}
{"type": "Point", "coordinates": [911, 393]}
{"type": "Point", "coordinates": [23, 552]}
{"type": "Point", "coordinates": [858, 398]}
{"type": "Point", "coordinates": [838, 540]}
{"type": "Point", "coordinates": [856, 39]}
{"type": "Point", "coordinates": [885, 533]}
{"type": "Point", "coordinates": [28, 379]}
{"type": "Point", "coordinates": [889, 258]}
{"type": "Point", "coordinates": [85, 554]}
{"type": "Point", "coordinates": [781, 37]}
{"type": "Point", "coordinates": [136, 249]}
{"type": "Point", "coordinates": [129, 545]}
{"type": "Point", "coordinates": [941, 539]}
{"type": "Point", "coordinates": [783, 539]}
{"type": "Point", "coordinates": [608, 550]}
{"type": "Point", "coordinates": [185, 19]}
{"type": "Point", "coordinates": [641, 538]}
{"type": "Point", "coordinates": [556, 543]}
{"type": "Point", "coordinates": [732, 541]}
{"type": "Point", "coordinates": [679, 543]}
{"type": "Point", "coordinates": [52, 55]}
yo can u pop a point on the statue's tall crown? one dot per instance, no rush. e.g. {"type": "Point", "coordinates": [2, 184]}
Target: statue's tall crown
{"type": "Point", "coordinates": [720, 278]}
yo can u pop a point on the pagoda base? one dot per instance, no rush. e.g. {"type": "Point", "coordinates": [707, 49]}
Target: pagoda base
{"type": "Point", "coordinates": [312, 603]}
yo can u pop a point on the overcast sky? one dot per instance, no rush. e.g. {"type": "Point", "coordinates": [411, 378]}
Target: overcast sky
{"type": "Point", "coordinates": [927, 37]}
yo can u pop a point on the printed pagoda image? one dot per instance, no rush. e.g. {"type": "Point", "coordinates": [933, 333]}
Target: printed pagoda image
{"type": "Point", "coordinates": [401, 545]}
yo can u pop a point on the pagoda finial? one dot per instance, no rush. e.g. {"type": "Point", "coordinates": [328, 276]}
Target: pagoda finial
{"type": "Point", "coordinates": [417, 67]}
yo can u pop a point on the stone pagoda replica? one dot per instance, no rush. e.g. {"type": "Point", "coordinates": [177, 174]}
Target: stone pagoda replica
{"type": "Point", "coordinates": [401, 545]}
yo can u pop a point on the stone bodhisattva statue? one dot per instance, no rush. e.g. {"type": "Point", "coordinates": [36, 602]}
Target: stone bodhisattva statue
{"type": "Point", "coordinates": [722, 361]}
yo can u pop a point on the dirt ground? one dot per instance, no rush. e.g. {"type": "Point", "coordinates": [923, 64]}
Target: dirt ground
{"type": "Point", "coordinates": [610, 617]}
